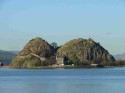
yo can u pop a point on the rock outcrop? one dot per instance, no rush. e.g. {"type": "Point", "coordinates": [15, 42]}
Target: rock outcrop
{"type": "Point", "coordinates": [36, 53]}
{"type": "Point", "coordinates": [76, 52]}
{"type": "Point", "coordinates": [84, 51]}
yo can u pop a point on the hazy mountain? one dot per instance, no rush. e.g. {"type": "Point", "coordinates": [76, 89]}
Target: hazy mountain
{"type": "Point", "coordinates": [7, 56]}
{"type": "Point", "coordinates": [120, 56]}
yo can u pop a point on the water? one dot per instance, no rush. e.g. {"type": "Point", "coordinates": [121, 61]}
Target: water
{"type": "Point", "coordinates": [107, 80]}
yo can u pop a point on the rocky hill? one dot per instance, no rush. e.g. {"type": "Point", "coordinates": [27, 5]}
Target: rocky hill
{"type": "Point", "coordinates": [37, 52]}
{"type": "Point", "coordinates": [84, 51]}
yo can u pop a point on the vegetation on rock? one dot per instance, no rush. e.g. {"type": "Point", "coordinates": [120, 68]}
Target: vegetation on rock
{"type": "Point", "coordinates": [78, 52]}
{"type": "Point", "coordinates": [36, 53]}
{"type": "Point", "coordinates": [39, 47]}
{"type": "Point", "coordinates": [85, 51]}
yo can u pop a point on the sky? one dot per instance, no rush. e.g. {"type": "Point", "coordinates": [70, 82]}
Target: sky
{"type": "Point", "coordinates": [62, 20]}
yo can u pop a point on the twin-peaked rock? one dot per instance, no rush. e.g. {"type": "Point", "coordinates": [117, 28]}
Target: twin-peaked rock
{"type": "Point", "coordinates": [78, 52]}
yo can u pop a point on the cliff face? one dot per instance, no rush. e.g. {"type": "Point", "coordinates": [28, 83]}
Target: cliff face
{"type": "Point", "coordinates": [39, 47]}
{"type": "Point", "coordinates": [81, 51]}
{"type": "Point", "coordinates": [36, 53]}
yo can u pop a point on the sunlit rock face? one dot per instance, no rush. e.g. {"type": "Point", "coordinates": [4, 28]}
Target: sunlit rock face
{"type": "Point", "coordinates": [81, 51]}
{"type": "Point", "coordinates": [37, 52]}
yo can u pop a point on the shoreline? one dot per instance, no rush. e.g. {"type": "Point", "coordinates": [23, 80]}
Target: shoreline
{"type": "Point", "coordinates": [5, 67]}
{"type": "Point", "coordinates": [65, 67]}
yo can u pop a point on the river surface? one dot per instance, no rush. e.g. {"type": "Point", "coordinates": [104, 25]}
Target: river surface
{"type": "Point", "coordinates": [106, 80]}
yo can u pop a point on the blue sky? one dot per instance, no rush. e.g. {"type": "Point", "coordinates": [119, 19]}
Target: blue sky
{"type": "Point", "coordinates": [61, 21]}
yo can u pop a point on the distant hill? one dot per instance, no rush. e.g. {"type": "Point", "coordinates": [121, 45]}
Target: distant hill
{"type": "Point", "coordinates": [120, 56]}
{"type": "Point", "coordinates": [7, 56]}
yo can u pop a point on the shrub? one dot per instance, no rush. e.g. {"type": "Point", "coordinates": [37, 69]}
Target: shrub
{"type": "Point", "coordinates": [119, 63]}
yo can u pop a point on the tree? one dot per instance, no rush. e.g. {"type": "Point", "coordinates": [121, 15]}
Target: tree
{"type": "Point", "coordinates": [54, 44]}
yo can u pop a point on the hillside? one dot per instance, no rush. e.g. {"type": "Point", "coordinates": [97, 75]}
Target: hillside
{"type": "Point", "coordinates": [37, 52]}
{"type": "Point", "coordinates": [84, 51]}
